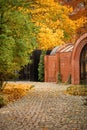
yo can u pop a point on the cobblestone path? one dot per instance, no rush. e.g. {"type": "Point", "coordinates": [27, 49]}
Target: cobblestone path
{"type": "Point", "coordinates": [45, 108]}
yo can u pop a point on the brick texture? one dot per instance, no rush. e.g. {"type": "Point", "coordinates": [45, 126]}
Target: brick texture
{"type": "Point", "coordinates": [81, 42]}
{"type": "Point", "coordinates": [69, 63]}
{"type": "Point", "coordinates": [65, 65]}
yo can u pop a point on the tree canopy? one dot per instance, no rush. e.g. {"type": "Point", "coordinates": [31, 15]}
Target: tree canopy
{"type": "Point", "coordinates": [55, 25]}
{"type": "Point", "coordinates": [26, 24]}
{"type": "Point", "coordinates": [17, 37]}
{"type": "Point", "coordinates": [79, 10]}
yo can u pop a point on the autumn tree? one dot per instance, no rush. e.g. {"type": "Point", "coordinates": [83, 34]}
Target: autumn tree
{"type": "Point", "coordinates": [17, 38]}
{"type": "Point", "coordinates": [55, 25]}
{"type": "Point", "coordinates": [79, 10]}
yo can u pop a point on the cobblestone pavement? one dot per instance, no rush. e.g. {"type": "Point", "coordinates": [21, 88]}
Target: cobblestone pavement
{"type": "Point", "coordinates": [45, 108]}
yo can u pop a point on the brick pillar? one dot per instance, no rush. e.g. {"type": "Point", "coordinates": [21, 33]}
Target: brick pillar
{"type": "Point", "coordinates": [81, 42]}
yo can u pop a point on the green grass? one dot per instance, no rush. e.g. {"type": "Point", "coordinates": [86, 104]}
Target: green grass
{"type": "Point", "coordinates": [77, 90]}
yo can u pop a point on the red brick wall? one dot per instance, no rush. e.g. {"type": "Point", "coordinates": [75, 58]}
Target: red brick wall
{"type": "Point", "coordinates": [51, 66]}
{"type": "Point", "coordinates": [65, 65]}
{"type": "Point", "coordinates": [69, 63]}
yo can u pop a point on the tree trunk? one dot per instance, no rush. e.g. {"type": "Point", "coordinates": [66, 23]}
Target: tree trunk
{"type": "Point", "coordinates": [1, 84]}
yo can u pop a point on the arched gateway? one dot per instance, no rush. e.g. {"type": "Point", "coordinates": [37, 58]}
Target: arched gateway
{"type": "Point", "coordinates": [79, 61]}
{"type": "Point", "coordinates": [83, 65]}
{"type": "Point", "coordinates": [73, 62]}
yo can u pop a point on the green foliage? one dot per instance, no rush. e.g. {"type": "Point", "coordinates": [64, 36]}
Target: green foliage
{"type": "Point", "coordinates": [69, 80]}
{"type": "Point", "coordinates": [59, 78]}
{"type": "Point", "coordinates": [41, 67]}
{"type": "Point", "coordinates": [2, 101]}
{"type": "Point", "coordinates": [85, 101]}
{"type": "Point", "coordinates": [59, 74]}
{"type": "Point", "coordinates": [17, 38]}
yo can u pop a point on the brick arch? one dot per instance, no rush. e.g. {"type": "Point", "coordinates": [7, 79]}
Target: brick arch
{"type": "Point", "coordinates": [81, 42]}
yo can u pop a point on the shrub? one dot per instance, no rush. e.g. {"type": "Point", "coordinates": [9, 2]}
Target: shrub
{"type": "Point", "coordinates": [59, 78]}
{"type": "Point", "coordinates": [41, 67]}
{"type": "Point", "coordinates": [69, 80]}
{"type": "Point", "coordinates": [2, 101]}
{"type": "Point", "coordinates": [85, 101]}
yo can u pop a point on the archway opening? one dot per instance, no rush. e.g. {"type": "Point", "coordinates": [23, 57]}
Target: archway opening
{"type": "Point", "coordinates": [83, 65]}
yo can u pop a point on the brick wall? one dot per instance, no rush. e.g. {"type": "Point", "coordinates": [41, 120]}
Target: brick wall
{"type": "Point", "coordinates": [69, 63]}
{"type": "Point", "coordinates": [65, 65]}
{"type": "Point", "coordinates": [52, 67]}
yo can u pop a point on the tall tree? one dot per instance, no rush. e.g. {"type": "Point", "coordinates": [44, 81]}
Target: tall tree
{"type": "Point", "coordinates": [17, 37]}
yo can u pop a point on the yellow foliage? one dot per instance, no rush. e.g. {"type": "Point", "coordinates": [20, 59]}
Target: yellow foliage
{"type": "Point", "coordinates": [79, 90]}
{"type": "Point", "coordinates": [20, 8]}
{"type": "Point", "coordinates": [15, 91]}
{"type": "Point", "coordinates": [55, 25]}
{"type": "Point", "coordinates": [79, 22]}
{"type": "Point", "coordinates": [48, 39]}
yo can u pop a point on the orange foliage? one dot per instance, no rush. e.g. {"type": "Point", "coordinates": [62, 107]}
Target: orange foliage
{"type": "Point", "coordinates": [56, 27]}
{"type": "Point", "coordinates": [14, 91]}
{"type": "Point", "coordinates": [79, 10]}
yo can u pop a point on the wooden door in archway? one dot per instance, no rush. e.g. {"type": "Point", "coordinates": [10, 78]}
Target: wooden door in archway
{"type": "Point", "coordinates": [83, 65]}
